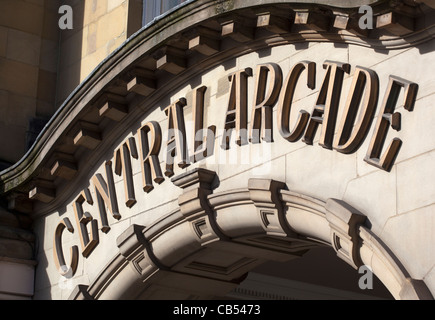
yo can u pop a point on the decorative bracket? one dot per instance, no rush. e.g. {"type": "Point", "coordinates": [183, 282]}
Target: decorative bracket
{"type": "Point", "coordinates": [194, 205]}
{"type": "Point", "coordinates": [265, 195]}
{"type": "Point", "coordinates": [197, 185]}
{"type": "Point", "coordinates": [135, 248]}
{"type": "Point", "coordinates": [344, 222]}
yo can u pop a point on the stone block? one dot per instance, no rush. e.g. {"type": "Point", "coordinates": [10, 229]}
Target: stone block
{"type": "Point", "coordinates": [87, 138]}
{"type": "Point", "coordinates": [395, 23]}
{"type": "Point", "coordinates": [43, 194]}
{"type": "Point", "coordinates": [64, 169]}
{"type": "Point", "coordinates": [13, 142]}
{"type": "Point", "coordinates": [20, 109]}
{"type": "Point", "coordinates": [18, 77]}
{"type": "Point", "coordinates": [94, 10]}
{"type": "Point", "coordinates": [111, 25]}
{"type": "Point", "coordinates": [3, 41]}
{"type": "Point", "coordinates": [22, 15]}
{"type": "Point", "coordinates": [50, 29]}
{"type": "Point", "coordinates": [307, 166]}
{"type": "Point", "coordinates": [409, 236]}
{"type": "Point", "coordinates": [47, 86]}
{"type": "Point", "coordinates": [112, 4]}
{"type": "Point", "coordinates": [48, 58]}
{"type": "Point", "coordinates": [415, 188]}
{"type": "Point", "coordinates": [374, 195]}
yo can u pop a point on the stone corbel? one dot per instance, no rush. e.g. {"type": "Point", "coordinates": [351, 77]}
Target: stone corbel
{"type": "Point", "coordinates": [135, 249]}
{"type": "Point", "coordinates": [170, 59]}
{"type": "Point", "coordinates": [196, 185]}
{"type": "Point", "coordinates": [344, 222]}
{"type": "Point", "coordinates": [265, 195]}
{"type": "Point", "coordinates": [194, 205]}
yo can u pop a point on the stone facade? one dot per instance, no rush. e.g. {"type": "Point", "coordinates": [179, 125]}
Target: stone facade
{"type": "Point", "coordinates": [115, 221]}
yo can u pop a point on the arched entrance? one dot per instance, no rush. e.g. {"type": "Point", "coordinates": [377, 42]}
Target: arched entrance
{"type": "Point", "coordinates": [206, 247]}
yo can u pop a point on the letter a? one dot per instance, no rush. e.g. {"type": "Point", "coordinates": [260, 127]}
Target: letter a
{"type": "Point", "coordinates": [366, 280]}
{"type": "Point", "coordinates": [66, 21]}
{"type": "Point", "coordinates": [366, 20]}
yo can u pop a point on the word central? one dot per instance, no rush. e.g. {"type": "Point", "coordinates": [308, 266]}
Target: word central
{"type": "Point", "coordinates": [271, 89]}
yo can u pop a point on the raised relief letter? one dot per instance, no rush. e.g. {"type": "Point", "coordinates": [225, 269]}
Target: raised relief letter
{"type": "Point", "coordinates": [123, 167]}
{"type": "Point", "coordinates": [387, 118]}
{"type": "Point", "coordinates": [177, 142]}
{"type": "Point", "coordinates": [106, 196]}
{"type": "Point", "coordinates": [237, 112]}
{"type": "Point", "coordinates": [203, 146]}
{"type": "Point", "coordinates": [263, 103]}
{"type": "Point", "coordinates": [326, 109]}
{"type": "Point", "coordinates": [286, 100]}
{"type": "Point", "coordinates": [82, 219]}
{"type": "Point", "coordinates": [149, 156]}
{"type": "Point", "coordinates": [350, 135]}
{"type": "Point", "coordinates": [59, 259]}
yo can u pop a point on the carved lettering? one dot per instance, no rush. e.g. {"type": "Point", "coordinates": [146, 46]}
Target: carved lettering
{"type": "Point", "coordinates": [387, 117]}
{"type": "Point", "coordinates": [203, 146]}
{"type": "Point", "coordinates": [237, 112]}
{"type": "Point", "coordinates": [177, 142]}
{"type": "Point", "coordinates": [123, 167]}
{"type": "Point", "coordinates": [352, 130]}
{"type": "Point", "coordinates": [106, 196]}
{"type": "Point", "coordinates": [286, 100]}
{"type": "Point", "coordinates": [59, 258]}
{"type": "Point", "coordinates": [149, 156]}
{"type": "Point", "coordinates": [263, 103]}
{"type": "Point", "coordinates": [326, 109]}
{"type": "Point", "coordinates": [82, 219]}
{"type": "Point", "coordinates": [351, 135]}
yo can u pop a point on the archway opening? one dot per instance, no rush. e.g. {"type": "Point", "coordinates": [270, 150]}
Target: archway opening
{"type": "Point", "coordinates": [221, 246]}
{"type": "Point", "coordinates": [318, 274]}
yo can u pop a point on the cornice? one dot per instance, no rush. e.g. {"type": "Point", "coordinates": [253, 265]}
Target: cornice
{"type": "Point", "coordinates": [172, 50]}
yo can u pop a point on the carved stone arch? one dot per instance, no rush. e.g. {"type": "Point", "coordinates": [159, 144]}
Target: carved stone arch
{"type": "Point", "coordinates": [206, 247]}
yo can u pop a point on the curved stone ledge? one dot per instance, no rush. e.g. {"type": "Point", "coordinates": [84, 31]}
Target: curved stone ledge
{"type": "Point", "coordinates": [173, 260]}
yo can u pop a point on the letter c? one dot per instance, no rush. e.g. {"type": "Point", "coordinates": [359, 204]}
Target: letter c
{"type": "Point", "coordinates": [59, 258]}
{"type": "Point", "coordinates": [286, 101]}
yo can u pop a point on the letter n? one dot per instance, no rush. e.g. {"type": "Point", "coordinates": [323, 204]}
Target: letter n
{"type": "Point", "coordinates": [106, 195]}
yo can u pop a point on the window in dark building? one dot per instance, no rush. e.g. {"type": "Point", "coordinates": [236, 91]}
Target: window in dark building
{"type": "Point", "coordinates": [155, 8]}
